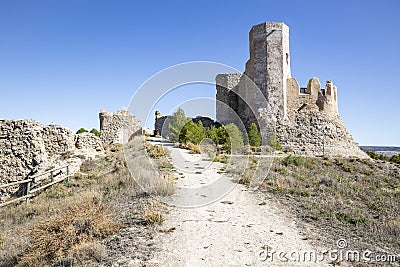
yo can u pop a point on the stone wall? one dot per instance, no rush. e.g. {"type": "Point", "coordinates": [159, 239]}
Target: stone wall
{"type": "Point", "coordinates": [316, 133]}
{"type": "Point", "coordinates": [313, 98]}
{"type": "Point", "coordinates": [28, 147]}
{"type": "Point", "coordinates": [118, 127]}
{"type": "Point", "coordinates": [227, 99]}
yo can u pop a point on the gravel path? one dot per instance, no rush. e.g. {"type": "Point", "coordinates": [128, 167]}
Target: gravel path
{"type": "Point", "coordinates": [235, 230]}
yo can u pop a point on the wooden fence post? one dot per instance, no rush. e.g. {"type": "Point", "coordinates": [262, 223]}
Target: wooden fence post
{"type": "Point", "coordinates": [28, 191]}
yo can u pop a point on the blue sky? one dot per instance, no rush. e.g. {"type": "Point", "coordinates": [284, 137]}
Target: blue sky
{"type": "Point", "coordinates": [63, 61]}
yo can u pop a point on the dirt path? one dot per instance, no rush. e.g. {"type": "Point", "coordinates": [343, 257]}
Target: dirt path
{"type": "Point", "coordinates": [236, 230]}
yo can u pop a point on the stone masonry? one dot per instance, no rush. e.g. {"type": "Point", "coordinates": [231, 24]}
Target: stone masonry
{"type": "Point", "coordinates": [306, 120]}
{"type": "Point", "coordinates": [118, 127]}
{"type": "Point", "coordinates": [28, 147]}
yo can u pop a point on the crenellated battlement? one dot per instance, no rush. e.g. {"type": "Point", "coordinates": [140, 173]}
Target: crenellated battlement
{"type": "Point", "coordinates": [312, 97]}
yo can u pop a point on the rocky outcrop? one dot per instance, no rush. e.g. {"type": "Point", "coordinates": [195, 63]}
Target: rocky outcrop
{"type": "Point", "coordinates": [28, 147]}
{"type": "Point", "coordinates": [118, 127]}
{"type": "Point", "coordinates": [317, 133]}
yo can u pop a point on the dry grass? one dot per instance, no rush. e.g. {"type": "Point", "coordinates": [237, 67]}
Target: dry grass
{"type": "Point", "coordinates": [353, 197]}
{"type": "Point", "coordinates": [68, 221]}
{"type": "Point", "coordinates": [153, 213]}
{"type": "Point", "coordinates": [69, 232]}
{"type": "Point", "coordinates": [150, 176]}
{"type": "Point", "coordinates": [155, 151]}
{"type": "Point", "coordinates": [344, 197]}
{"type": "Point", "coordinates": [194, 149]}
{"type": "Point", "coordinates": [221, 158]}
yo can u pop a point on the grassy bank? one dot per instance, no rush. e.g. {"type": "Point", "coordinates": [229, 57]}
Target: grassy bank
{"type": "Point", "coordinates": [69, 223]}
{"type": "Point", "coordinates": [358, 200]}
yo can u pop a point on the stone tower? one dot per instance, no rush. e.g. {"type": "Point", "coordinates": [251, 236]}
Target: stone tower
{"type": "Point", "coordinates": [306, 118]}
{"type": "Point", "coordinates": [269, 63]}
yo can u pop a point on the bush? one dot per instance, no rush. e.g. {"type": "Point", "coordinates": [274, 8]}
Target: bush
{"type": "Point", "coordinates": [395, 159]}
{"type": "Point", "coordinates": [218, 135]}
{"type": "Point", "coordinates": [347, 166]}
{"type": "Point", "coordinates": [95, 132]}
{"type": "Point", "coordinates": [297, 161]}
{"type": "Point", "coordinates": [274, 143]}
{"type": "Point", "coordinates": [221, 159]}
{"type": "Point", "coordinates": [175, 124]}
{"type": "Point", "coordinates": [192, 133]}
{"type": "Point", "coordinates": [235, 141]}
{"type": "Point", "coordinates": [152, 213]}
{"type": "Point", "coordinates": [254, 136]}
{"type": "Point", "coordinates": [81, 130]}
{"type": "Point", "coordinates": [80, 223]}
{"type": "Point", "coordinates": [194, 149]}
{"type": "Point", "coordinates": [154, 151]}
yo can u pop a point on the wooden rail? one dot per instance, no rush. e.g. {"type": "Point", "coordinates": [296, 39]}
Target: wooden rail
{"type": "Point", "coordinates": [30, 192]}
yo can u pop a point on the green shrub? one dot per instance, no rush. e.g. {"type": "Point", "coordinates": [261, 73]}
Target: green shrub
{"type": "Point", "coordinates": [274, 143]}
{"type": "Point", "coordinates": [95, 132]}
{"type": "Point", "coordinates": [353, 220]}
{"type": "Point", "coordinates": [81, 130]}
{"type": "Point", "coordinates": [245, 179]}
{"type": "Point", "coordinates": [395, 159]}
{"type": "Point", "coordinates": [254, 136]}
{"type": "Point", "coordinates": [193, 133]}
{"type": "Point", "coordinates": [297, 161]}
{"type": "Point", "coordinates": [154, 151]}
{"type": "Point", "coordinates": [346, 166]}
{"type": "Point", "coordinates": [235, 141]}
{"type": "Point", "coordinates": [221, 159]}
{"type": "Point", "coordinates": [218, 135]}
{"type": "Point", "coordinates": [176, 123]}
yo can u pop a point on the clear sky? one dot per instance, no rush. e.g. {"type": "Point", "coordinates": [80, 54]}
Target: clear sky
{"type": "Point", "coordinates": [63, 61]}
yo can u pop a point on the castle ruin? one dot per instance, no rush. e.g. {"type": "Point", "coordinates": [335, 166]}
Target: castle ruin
{"type": "Point", "coordinates": [306, 118]}
{"type": "Point", "coordinates": [118, 127]}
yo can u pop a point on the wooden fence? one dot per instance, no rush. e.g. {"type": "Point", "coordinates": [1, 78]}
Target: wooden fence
{"type": "Point", "coordinates": [30, 191]}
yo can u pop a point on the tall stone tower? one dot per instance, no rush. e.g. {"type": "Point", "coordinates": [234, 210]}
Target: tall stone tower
{"type": "Point", "coordinates": [269, 63]}
{"type": "Point", "coordinates": [306, 119]}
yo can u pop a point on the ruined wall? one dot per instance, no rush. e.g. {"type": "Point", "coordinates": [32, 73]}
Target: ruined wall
{"type": "Point", "coordinates": [312, 98]}
{"type": "Point", "coordinates": [302, 101]}
{"type": "Point", "coordinates": [227, 100]}
{"type": "Point", "coordinates": [316, 133]}
{"type": "Point", "coordinates": [27, 147]}
{"type": "Point", "coordinates": [118, 127]}
{"type": "Point", "coordinates": [161, 125]}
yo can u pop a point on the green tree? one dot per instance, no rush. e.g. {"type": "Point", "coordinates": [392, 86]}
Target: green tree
{"type": "Point", "coordinates": [176, 123]}
{"type": "Point", "coordinates": [193, 133]}
{"type": "Point", "coordinates": [95, 132]}
{"type": "Point", "coordinates": [82, 130]}
{"type": "Point", "coordinates": [273, 142]}
{"type": "Point", "coordinates": [395, 159]}
{"type": "Point", "coordinates": [235, 140]}
{"type": "Point", "coordinates": [254, 135]}
{"type": "Point", "coordinates": [218, 135]}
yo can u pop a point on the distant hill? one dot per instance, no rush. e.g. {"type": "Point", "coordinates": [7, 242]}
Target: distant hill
{"type": "Point", "coordinates": [386, 151]}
